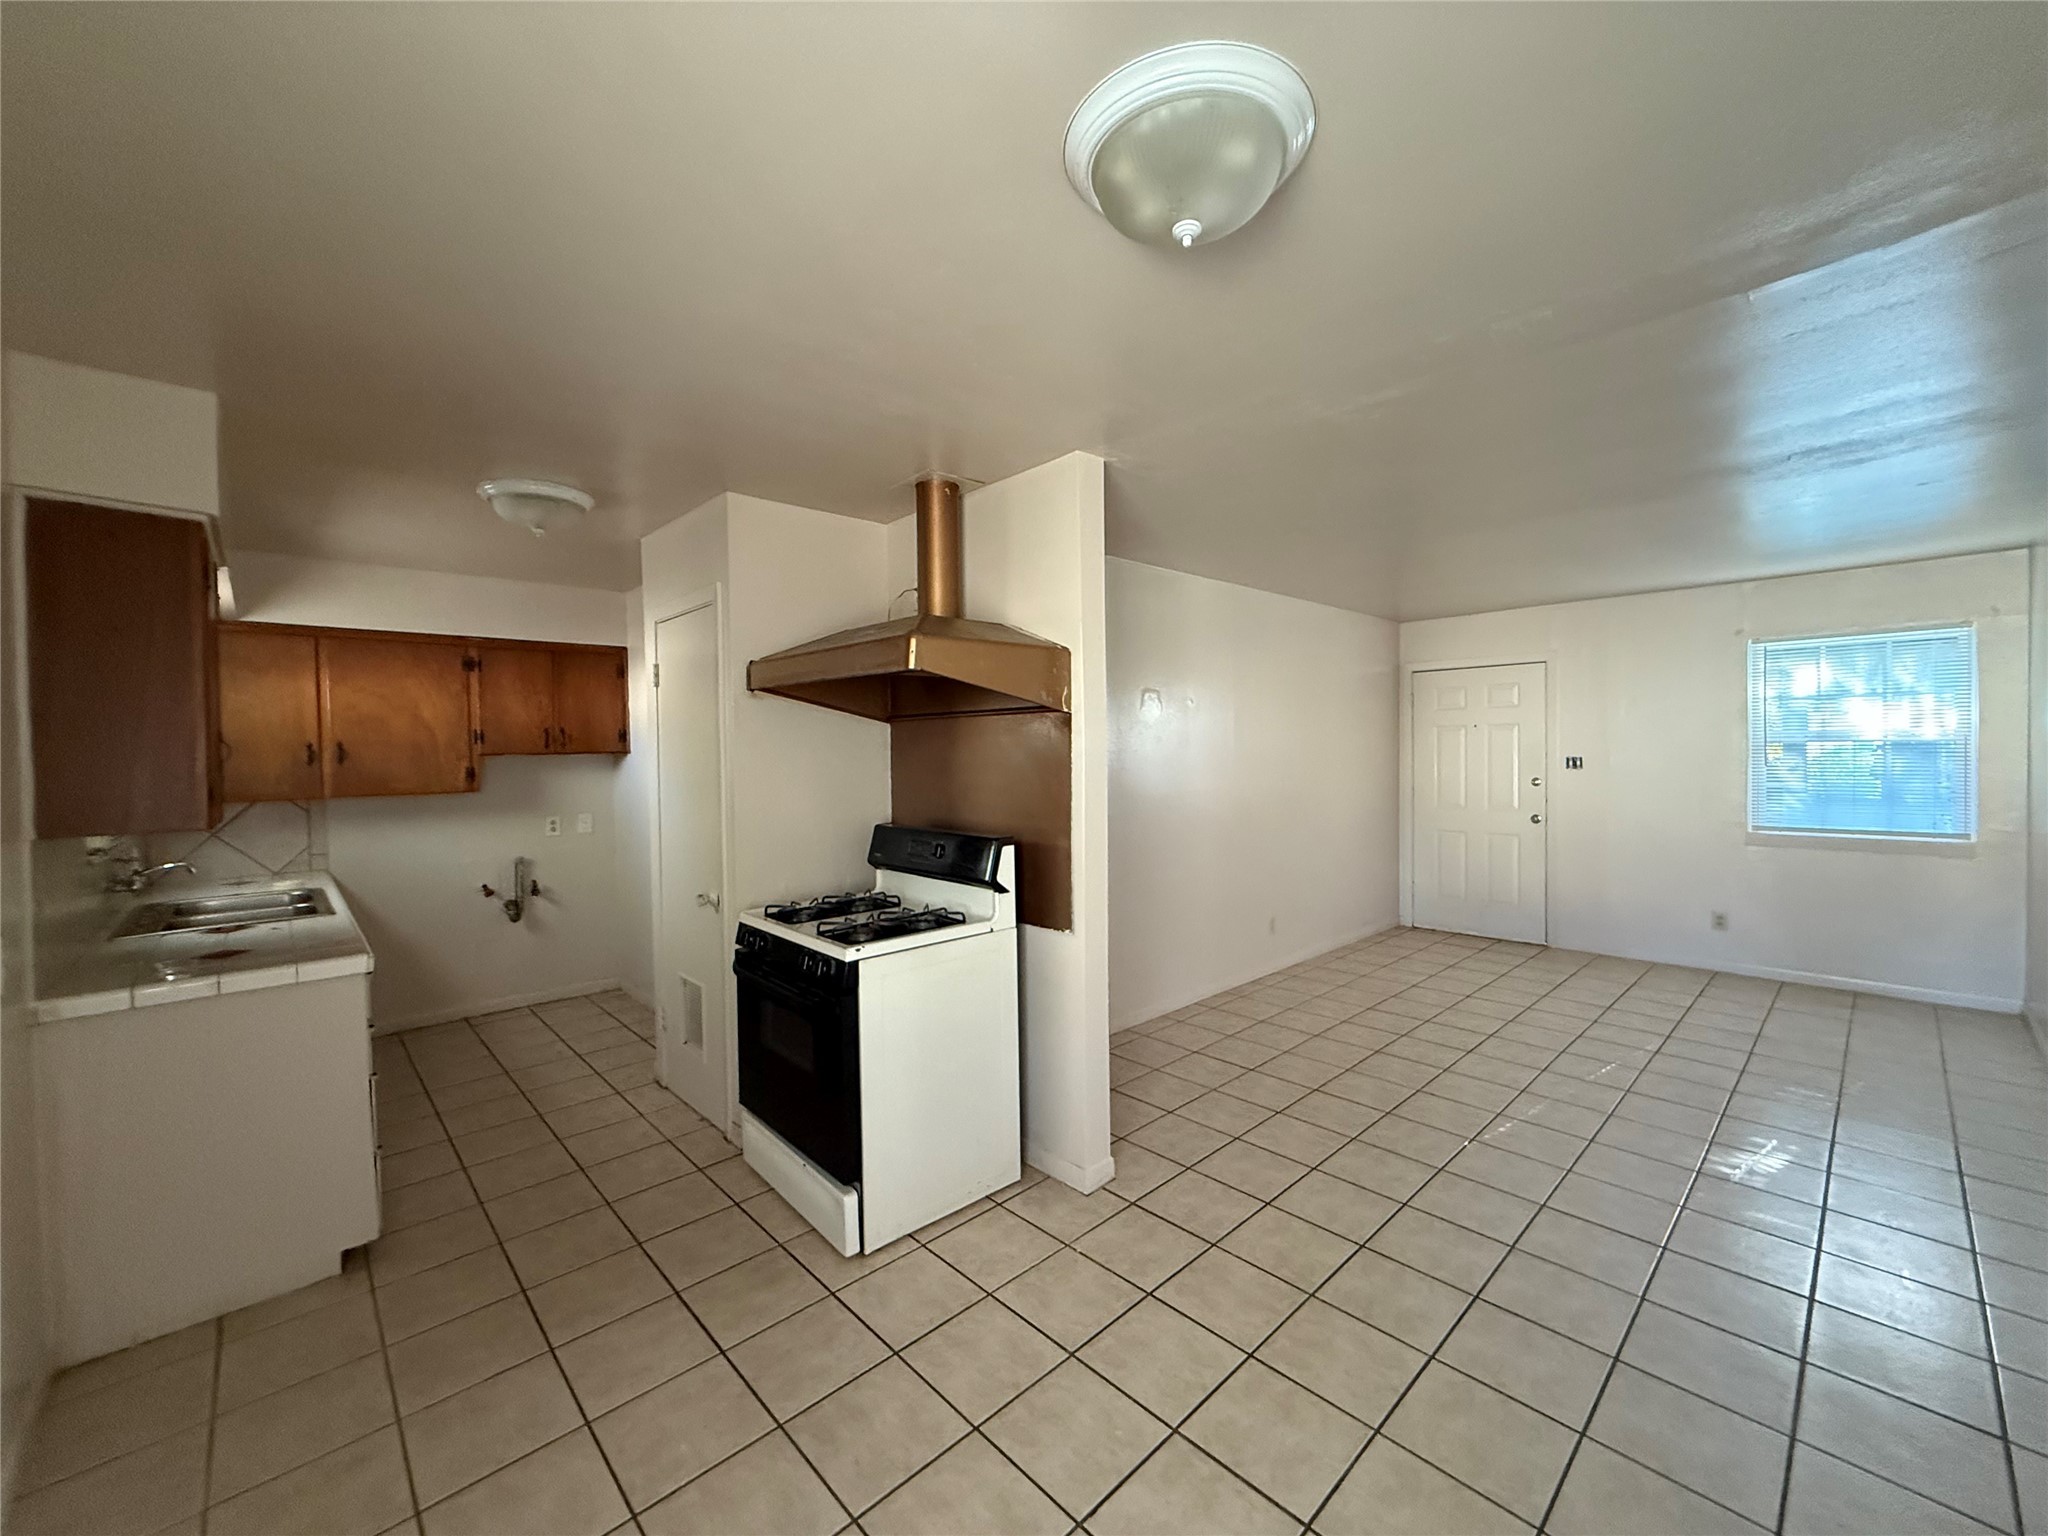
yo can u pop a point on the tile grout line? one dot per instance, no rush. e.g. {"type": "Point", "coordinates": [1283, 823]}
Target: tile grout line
{"type": "Point", "coordinates": [1619, 1040]}
{"type": "Point", "coordinates": [1827, 1187]}
{"type": "Point", "coordinates": [1584, 1430]}
{"type": "Point", "coordinates": [212, 1427]}
{"type": "Point", "coordinates": [1983, 1292]}
{"type": "Point", "coordinates": [588, 1423]}
{"type": "Point", "coordinates": [1175, 1429]}
{"type": "Point", "coordinates": [1432, 1355]}
{"type": "Point", "coordinates": [376, 1308]}
{"type": "Point", "coordinates": [1372, 1431]}
{"type": "Point", "coordinates": [1754, 1051]}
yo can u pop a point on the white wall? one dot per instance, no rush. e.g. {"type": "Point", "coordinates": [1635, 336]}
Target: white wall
{"type": "Point", "coordinates": [1652, 836]}
{"type": "Point", "coordinates": [2037, 798]}
{"type": "Point", "coordinates": [1254, 796]}
{"type": "Point", "coordinates": [803, 785]}
{"type": "Point", "coordinates": [413, 866]}
{"type": "Point", "coordinates": [633, 819]}
{"type": "Point", "coordinates": [109, 437]}
{"type": "Point", "coordinates": [808, 784]}
{"type": "Point", "coordinates": [1033, 554]}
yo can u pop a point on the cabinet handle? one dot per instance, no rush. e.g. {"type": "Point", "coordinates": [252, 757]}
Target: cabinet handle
{"type": "Point", "coordinates": [340, 753]}
{"type": "Point", "coordinates": [547, 737]}
{"type": "Point", "coordinates": [563, 732]}
{"type": "Point", "coordinates": [312, 754]}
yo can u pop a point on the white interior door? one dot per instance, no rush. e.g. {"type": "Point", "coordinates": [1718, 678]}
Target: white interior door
{"type": "Point", "coordinates": [1479, 770]}
{"type": "Point", "coordinates": [691, 951]}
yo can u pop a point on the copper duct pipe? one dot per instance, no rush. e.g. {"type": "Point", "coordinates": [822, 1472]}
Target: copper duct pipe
{"type": "Point", "coordinates": [940, 575]}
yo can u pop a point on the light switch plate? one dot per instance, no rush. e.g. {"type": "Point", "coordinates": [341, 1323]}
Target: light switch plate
{"type": "Point", "coordinates": [583, 822]}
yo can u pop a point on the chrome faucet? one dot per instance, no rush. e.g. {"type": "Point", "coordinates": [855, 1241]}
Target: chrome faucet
{"type": "Point", "coordinates": [140, 879]}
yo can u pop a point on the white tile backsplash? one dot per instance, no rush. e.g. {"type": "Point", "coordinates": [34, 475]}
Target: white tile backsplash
{"type": "Point", "coordinates": [283, 837]}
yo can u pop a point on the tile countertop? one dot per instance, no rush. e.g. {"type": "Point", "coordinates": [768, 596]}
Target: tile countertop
{"type": "Point", "coordinates": [118, 974]}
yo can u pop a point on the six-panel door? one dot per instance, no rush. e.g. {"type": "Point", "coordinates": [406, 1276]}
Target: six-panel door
{"type": "Point", "coordinates": [269, 714]}
{"type": "Point", "coordinates": [398, 715]}
{"type": "Point", "coordinates": [1479, 798]}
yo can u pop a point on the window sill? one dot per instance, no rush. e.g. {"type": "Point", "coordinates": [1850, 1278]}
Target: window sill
{"type": "Point", "coordinates": [1867, 842]}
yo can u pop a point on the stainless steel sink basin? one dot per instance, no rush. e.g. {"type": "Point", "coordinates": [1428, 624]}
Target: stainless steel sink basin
{"type": "Point", "coordinates": [231, 910]}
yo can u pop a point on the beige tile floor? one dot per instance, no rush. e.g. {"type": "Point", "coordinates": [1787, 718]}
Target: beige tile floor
{"type": "Point", "coordinates": [1429, 1234]}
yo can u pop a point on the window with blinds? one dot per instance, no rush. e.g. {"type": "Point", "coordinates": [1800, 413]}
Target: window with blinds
{"type": "Point", "coordinates": [1865, 735]}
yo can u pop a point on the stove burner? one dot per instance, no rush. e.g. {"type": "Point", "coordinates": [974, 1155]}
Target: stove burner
{"type": "Point", "coordinates": [890, 924]}
{"type": "Point", "coordinates": [823, 908]}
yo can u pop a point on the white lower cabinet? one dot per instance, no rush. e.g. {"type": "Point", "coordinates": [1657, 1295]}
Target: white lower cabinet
{"type": "Point", "coordinates": [200, 1156]}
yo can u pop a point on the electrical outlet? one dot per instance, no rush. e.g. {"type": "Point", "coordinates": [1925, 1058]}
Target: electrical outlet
{"type": "Point", "coordinates": [554, 826]}
{"type": "Point", "coordinates": [584, 823]}
{"type": "Point", "coordinates": [1718, 921]}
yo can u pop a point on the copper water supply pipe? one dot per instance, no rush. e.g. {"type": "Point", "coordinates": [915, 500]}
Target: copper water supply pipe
{"type": "Point", "coordinates": [939, 568]}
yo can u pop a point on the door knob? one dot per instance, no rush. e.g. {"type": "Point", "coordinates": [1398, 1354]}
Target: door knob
{"type": "Point", "coordinates": [1536, 820]}
{"type": "Point", "coordinates": [708, 899]}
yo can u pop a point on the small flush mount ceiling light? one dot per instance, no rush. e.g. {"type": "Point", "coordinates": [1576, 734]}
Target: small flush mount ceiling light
{"type": "Point", "coordinates": [1183, 146]}
{"type": "Point", "coordinates": [535, 505]}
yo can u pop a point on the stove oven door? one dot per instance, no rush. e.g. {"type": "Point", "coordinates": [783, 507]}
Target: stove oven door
{"type": "Point", "coordinates": [799, 1047]}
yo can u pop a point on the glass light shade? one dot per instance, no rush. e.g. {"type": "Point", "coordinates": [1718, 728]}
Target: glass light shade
{"type": "Point", "coordinates": [1184, 145]}
{"type": "Point", "coordinates": [1213, 157]}
{"type": "Point", "coordinates": [536, 505]}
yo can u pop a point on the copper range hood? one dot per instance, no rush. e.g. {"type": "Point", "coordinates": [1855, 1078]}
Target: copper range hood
{"type": "Point", "coordinates": [935, 664]}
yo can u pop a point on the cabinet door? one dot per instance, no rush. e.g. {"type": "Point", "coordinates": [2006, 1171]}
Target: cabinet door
{"type": "Point", "coordinates": [515, 690]}
{"type": "Point", "coordinates": [269, 714]}
{"type": "Point", "coordinates": [398, 715]}
{"type": "Point", "coordinates": [123, 700]}
{"type": "Point", "coordinates": [590, 701]}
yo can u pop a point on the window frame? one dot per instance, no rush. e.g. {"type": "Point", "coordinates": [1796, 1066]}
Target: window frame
{"type": "Point", "coordinates": [1951, 843]}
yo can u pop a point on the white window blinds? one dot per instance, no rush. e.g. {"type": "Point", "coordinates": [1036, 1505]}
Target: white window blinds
{"type": "Point", "coordinates": [1865, 734]}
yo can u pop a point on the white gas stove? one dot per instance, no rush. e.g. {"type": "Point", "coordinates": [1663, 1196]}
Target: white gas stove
{"type": "Point", "coordinates": [878, 1038]}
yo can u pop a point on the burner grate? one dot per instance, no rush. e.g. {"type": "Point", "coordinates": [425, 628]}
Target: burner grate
{"type": "Point", "coordinates": [820, 909]}
{"type": "Point", "coordinates": [890, 924]}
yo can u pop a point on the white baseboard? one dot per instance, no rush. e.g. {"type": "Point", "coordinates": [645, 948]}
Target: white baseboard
{"type": "Point", "coordinates": [1086, 1179]}
{"type": "Point", "coordinates": [1988, 1004]}
{"type": "Point", "coordinates": [476, 1007]}
{"type": "Point", "coordinates": [644, 999]}
{"type": "Point", "coordinates": [1211, 988]}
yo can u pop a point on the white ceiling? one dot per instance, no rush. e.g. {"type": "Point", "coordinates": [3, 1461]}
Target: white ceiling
{"type": "Point", "coordinates": [1566, 300]}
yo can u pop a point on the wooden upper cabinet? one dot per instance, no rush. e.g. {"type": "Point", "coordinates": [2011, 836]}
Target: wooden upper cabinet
{"type": "Point", "coordinates": [314, 713]}
{"type": "Point", "coordinates": [590, 701]}
{"type": "Point", "coordinates": [124, 706]}
{"type": "Point", "coordinates": [269, 714]}
{"type": "Point", "coordinates": [400, 716]}
{"type": "Point", "coordinates": [539, 698]}
{"type": "Point", "coordinates": [516, 699]}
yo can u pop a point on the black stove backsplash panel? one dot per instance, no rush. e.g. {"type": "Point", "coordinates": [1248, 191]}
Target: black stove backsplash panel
{"type": "Point", "coordinates": [968, 857]}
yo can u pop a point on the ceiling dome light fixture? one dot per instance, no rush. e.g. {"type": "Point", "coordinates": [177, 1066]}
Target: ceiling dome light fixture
{"type": "Point", "coordinates": [535, 505]}
{"type": "Point", "coordinates": [1183, 146]}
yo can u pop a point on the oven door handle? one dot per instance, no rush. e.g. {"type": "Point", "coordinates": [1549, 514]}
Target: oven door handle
{"type": "Point", "coordinates": [776, 980]}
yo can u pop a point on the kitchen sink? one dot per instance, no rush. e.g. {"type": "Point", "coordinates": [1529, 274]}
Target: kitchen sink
{"type": "Point", "coordinates": [229, 911]}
